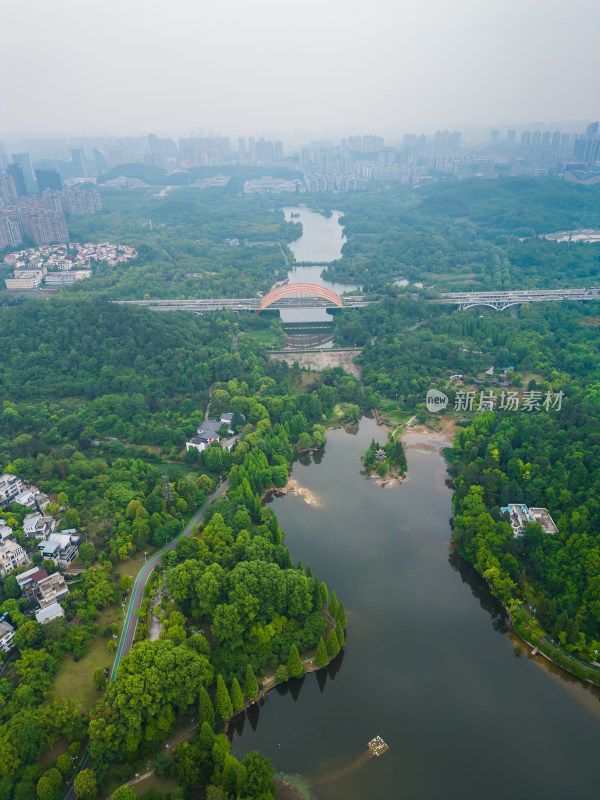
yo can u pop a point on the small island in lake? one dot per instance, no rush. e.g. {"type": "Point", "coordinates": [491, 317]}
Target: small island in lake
{"type": "Point", "coordinates": [387, 461]}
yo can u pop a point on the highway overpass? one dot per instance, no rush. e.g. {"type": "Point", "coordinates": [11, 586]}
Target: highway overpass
{"type": "Point", "coordinates": [501, 300]}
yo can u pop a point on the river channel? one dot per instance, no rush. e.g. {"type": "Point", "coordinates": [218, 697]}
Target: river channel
{"type": "Point", "coordinates": [321, 243]}
{"type": "Point", "coordinates": [429, 665]}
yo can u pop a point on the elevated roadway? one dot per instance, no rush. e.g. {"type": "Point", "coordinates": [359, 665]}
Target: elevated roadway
{"type": "Point", "coordinates": [501, 300]}
{"type": "Point", "coordinates": [200, 305]}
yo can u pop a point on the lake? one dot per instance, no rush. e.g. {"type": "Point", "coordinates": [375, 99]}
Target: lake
{"type": "Point", "coordinates": [429, 663]}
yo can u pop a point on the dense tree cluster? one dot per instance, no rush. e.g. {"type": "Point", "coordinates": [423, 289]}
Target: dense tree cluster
{"type": "Point", "coordinates": [471, 235]}
{"type": "Point", "coordinates": [182, 254]}
{"type": "Point", "coordinates": [549, 460]}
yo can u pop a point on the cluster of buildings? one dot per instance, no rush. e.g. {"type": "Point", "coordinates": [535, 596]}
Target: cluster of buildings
{"type": "Point", "coordinates": [61, 264]}
{"type": "Point", "coordinates": [40, 217]}
{"type": "Point", "coordinates": [41, 589]}
{"type": "Point", "coordinates": [519, 515]}
{"type": "Point", "coordinates": [208, 433]}
{"type": "Point", "coordinates": [269, 185]}
{"type": "Point", "coordinates": [355, 163]}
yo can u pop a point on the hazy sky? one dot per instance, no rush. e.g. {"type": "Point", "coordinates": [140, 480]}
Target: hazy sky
{"type": "Point", "coordinates": [240, 66]}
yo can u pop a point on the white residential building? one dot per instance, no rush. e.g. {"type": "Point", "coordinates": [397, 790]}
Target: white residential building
{"type": "Point", "coordinates": [47, 614]}
{"type": "Point", "coordinates": [36, 526]}
{"type": "Point", "coordinates": [12, 555]}
{"type": "Point", "coordinates": [62, 548]}
{"type": "Point", "coordinates": [10, 487]}
{"type": "Point", "coordinates": [7, 633]}
{"type": "Point", "coordinates": [6, 532]}
{"type": "Point", "coordinates": [26, 498]}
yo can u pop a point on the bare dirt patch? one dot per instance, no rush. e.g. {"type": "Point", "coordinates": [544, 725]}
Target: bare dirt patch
{"type": "Point", "coordinates": [317, 360]}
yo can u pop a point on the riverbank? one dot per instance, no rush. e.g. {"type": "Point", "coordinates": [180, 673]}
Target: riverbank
{"type": "Point", "coordinates": [521, 620]}
{"type": "Point", "coordinates": [293, 487]}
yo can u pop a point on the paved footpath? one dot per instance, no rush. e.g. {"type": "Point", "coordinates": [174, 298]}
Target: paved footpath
{"type": "Point", "coordinates": [135, 601]}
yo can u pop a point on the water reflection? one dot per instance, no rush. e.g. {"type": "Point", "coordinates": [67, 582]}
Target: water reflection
{"type": "Point", "coordinates": [480, 590]}
{"type": "Point", "coordinates": [425, 669]}
{"type": "Point", "coordinates": [253, 713]}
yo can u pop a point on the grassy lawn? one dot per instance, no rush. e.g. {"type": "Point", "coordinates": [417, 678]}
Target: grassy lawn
{"type": "Point", "coordinates": [268, 338]}
{"type": "Point", "coordinates": [177, 471]}
{"type": "Point", "coordinates": [152, 782]}
{"type": "Point", "coordinates": [160, 785]}
{"type": "Point", "coordinates": [74, 681]}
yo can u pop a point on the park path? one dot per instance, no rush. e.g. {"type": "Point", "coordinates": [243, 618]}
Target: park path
{"type": "Point", "coordinates": [136, 597]}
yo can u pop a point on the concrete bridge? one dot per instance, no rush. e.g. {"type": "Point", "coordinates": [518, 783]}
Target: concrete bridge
{"type": "Point", "coordinates": [501, 300]}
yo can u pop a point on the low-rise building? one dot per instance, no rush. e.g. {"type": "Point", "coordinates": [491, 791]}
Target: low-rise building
{"type": "Point", "coordinates": [47, 614]}
{"type": "Point", "coordinates": [12, 555]}
{"type": "Point", "coordinates": [27, 498]}
{"type": "Point", "coordinates": [10, 487]}
{"type": "Point", "coordinates": [36, 526]}
{"type": "Point", "coordinates": [28, 582]}
{"type": "Point", "coordinates": [201, 442]}
{"type": "Point", "coordinates": [67, 278]}
{"type": "Point", "coordinates": [226, 419]}
{"type": "Point", "coordinates": [519, 515]}
{"type": "Point", "coordinates": [62, 548]}
{"type": "Point", "coordinates": [206, 434]}
{"type": "Point", "coordinates": [6, 531]}
{"type": "Point", "coordinates": [31, 497]}
{"type": "Point", "coordinates": [25, 279]}
{"type": "Point", "coordinates": [52, 589]}
{"type": "Point", "coordinates": [7, 633]}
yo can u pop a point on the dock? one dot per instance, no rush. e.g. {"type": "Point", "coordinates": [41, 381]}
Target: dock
{"type": "Point", "coordinates": [377, 746]}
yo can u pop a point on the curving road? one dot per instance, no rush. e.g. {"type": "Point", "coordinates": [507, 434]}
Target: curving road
{"type": "Point", "coordinates": [135, 601]}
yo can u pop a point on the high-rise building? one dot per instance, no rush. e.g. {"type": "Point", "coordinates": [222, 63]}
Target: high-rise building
{"type": "Point", "coordinates": [48, 179]}
{"type": "Point", "coordinates": [8, 190]}
{"type": "Point", "coordinates": [587, 149]}
{"type": "Point", "coordinates": [42, 225]}
{"type": "Point", "coordinates": [370, 144]}
{"type": "Point", "coordinates": [81, 203]}
{"type": "Point", "coordinates": [22, 159]}
{"type": "Point", "coordinates": [16, 172]}
{"type": "Point", "coordinates": [101, 164]}
{"type": "Point", "coordinates": [10, 234]}
{"type": "Point", "coordinates": [510, 137]}
{"type": "Point", "coordinates": [494, 136]}
{"type": "Point", "coordinates": [526, 139]}
{"type": "Point", "coordinates": [536, 139]}
{"type": "Point", "coordinates": [78, 166]}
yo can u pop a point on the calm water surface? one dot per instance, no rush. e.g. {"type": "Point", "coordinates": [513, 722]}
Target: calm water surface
{"type": "Point", "coordinates": [429, 664]}
{"type": "Point", "coordinates": [322, 240]}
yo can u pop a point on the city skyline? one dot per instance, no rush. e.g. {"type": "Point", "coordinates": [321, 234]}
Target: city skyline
{"type": "Point", "coordinates": [280, 69]}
